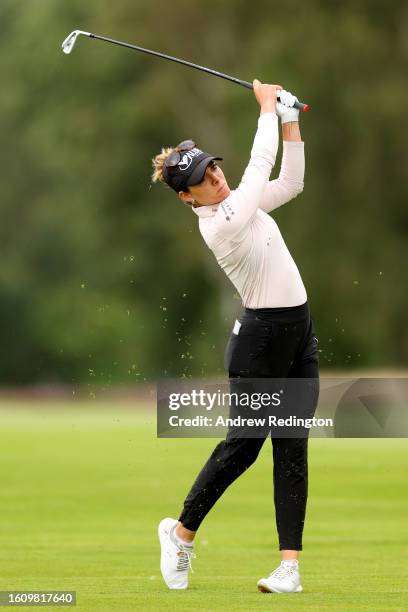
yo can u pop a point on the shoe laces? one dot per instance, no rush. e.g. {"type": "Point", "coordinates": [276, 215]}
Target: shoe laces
{"type": "Point", "coordinates": [284, 571]}
{"type": "Point", "coordinates": [185, 556]}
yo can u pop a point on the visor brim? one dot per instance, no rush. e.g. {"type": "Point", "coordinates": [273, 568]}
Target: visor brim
{"type": "Point", "coordinates": [199, 171]}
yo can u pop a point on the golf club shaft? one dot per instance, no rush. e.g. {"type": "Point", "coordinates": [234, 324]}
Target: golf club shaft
{"type": "Point", "coordinates": [299, 105]}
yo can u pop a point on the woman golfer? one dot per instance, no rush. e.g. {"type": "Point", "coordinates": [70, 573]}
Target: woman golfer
{"type": "Point", "coordinates": [273, 338]}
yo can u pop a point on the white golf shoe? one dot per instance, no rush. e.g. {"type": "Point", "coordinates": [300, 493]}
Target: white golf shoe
{"type": "Point", "coordinates": [175, 560]}
{"type": "Point", "coordinates": [285, 579]}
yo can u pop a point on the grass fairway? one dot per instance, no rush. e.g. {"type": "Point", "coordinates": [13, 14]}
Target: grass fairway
{"type": "Point", "coordinates": [84, 486]}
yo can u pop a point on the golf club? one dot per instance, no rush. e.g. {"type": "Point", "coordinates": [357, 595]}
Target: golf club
{"type": "Point", "coordinates": [70, 40]}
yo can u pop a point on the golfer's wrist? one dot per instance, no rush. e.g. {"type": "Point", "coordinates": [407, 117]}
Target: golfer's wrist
{"type": "Point", "coordinates": [291, 131]}
{"type": "Point", "coordinates": [268, 107]}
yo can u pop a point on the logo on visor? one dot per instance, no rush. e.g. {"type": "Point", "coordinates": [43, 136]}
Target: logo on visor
{"type": "Point", "coordinates": [187, 158]}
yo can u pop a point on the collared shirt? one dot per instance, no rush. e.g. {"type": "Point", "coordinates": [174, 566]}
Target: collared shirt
{"type": "Point", "coordinates": [245, 240]}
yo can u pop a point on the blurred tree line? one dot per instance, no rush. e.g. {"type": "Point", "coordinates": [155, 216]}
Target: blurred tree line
{"type": "Point", "coordinates": [103, 276]}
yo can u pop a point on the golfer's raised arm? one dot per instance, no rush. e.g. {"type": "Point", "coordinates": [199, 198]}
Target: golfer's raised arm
{"type": "Point", "coordinates": [235, 213]}
{"type": "Point", "coordinates": [290, 180]}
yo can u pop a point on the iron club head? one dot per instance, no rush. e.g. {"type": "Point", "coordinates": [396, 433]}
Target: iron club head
{"type": "Point", "coordinates": [70, 40]}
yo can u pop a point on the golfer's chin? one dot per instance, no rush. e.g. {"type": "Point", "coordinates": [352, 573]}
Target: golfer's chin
{"type": "Point", "coordinates": [222, 194]}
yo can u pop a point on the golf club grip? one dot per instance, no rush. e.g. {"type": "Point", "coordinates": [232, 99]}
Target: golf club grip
{"type": "Point", "coordinates": [299, 105]}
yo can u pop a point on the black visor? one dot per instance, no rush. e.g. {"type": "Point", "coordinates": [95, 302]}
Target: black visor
{"type": "Point", "coordinates": [189, 171]}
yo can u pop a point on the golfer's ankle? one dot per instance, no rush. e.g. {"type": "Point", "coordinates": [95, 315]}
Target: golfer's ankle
{"type": "Point", "coordinates": [289, 555]}
{"type": "Point", "coordinates": [184, 534]}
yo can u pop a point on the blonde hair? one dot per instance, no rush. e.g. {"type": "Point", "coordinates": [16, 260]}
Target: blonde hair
{"type": "Point", "coordinates": [158, 163]}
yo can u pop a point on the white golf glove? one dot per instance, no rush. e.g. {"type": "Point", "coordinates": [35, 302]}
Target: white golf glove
{"type": "Point", "coordinates": [284, 108]}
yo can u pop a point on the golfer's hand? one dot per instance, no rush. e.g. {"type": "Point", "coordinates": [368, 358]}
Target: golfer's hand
{"type": "Point", "coordinates": [284, 108]}
{"type": "Point", "coordinates": [266, 95]}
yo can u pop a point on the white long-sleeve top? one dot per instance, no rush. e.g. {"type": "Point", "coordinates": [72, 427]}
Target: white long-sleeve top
{"type": "Point", "coordinates": [245, 240]}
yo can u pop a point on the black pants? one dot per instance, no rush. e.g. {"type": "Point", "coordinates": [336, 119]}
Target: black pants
{"type": "Point", "coordinates": [274, 343]}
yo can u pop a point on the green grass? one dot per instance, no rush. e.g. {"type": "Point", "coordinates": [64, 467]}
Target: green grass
{"type": "Point", "coordinates": [83, 488]}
